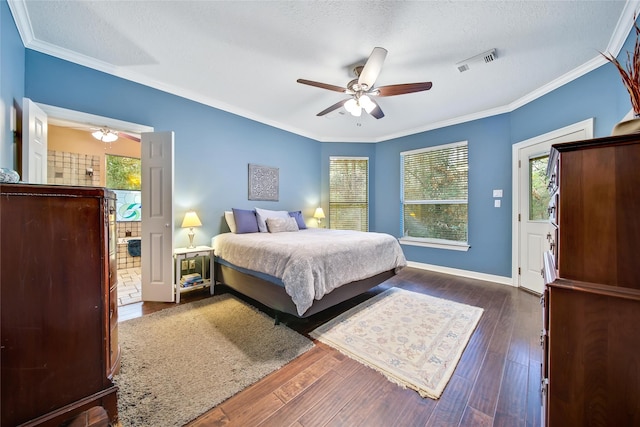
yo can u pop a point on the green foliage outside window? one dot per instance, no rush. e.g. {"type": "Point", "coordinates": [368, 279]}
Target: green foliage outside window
{"type": "Point", "coordinates": [538, 194]}
{"type": "Point", "coordinates": [123, 173]}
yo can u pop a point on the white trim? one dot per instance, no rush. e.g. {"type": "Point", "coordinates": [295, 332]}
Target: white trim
{"type": "Point", "coordinates": [416, 241]}
{"type": "Point", "coordinates": [21, 18]}
{"type": "Point", "coordinates": [624, 26]}
{"type": "Point", "coordinates": [587, 126]}
{"type": "Point", "coordinates": [462, 273]}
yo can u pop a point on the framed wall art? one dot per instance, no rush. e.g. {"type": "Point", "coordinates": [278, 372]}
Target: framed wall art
{"type": "Point", "coordinates": [264, 183]}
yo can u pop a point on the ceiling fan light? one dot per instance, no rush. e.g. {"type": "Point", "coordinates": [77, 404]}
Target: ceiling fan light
{"type": "Point", "coordinates": [367, 103]}
{"type": "Point", "coordinates": [351, 105]}
{"type": "Point", "coordinates": [356, 111]}
{"type": "Point", "coordinates": [105, 135]}
{"type": "Point", "coordinates": [110, 137]}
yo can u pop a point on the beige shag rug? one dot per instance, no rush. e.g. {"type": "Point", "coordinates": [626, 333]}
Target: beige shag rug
{"type": "Point", "coordinates": [415, 340]}
{"type": "Point", "coordinates": [180, 362]}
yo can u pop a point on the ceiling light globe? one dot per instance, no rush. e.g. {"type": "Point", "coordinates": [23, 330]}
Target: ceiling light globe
{"type": "Point", "coordinates": [367, 103]}
{"type": "Point", "coordinates": [351, 105]}
{"type": "Point", "coordinates": [110, 137]}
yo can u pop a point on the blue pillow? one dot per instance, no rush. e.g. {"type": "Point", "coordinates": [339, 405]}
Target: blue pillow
{"type": "Point", "coordinates": [246, 221]}
{"type": "Point", "coordinates": [299, 219]}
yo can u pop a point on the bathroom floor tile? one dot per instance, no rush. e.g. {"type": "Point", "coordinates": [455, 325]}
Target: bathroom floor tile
{"type": "Point", "coordinates": [129, 286]}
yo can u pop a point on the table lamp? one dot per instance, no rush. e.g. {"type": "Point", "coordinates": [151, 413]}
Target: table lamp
{"type": "Point", "coordinates": [191, 220]}
{"type": "Point", "coordinates": [319, 215]}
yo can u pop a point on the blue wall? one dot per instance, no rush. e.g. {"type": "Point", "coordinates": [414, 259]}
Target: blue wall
{"type": "Point", "coordinates": [489, 168]}
{"type": "Point", "coordinates": [11, 82]}
{"type": "Point", "coordinates": [213, 148]}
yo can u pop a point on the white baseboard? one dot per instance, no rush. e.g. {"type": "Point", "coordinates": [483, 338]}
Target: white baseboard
{"type": "Point", "coordinates": [463, 273]}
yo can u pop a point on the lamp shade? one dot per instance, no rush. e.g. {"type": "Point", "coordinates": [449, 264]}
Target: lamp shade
{"type": "Point", "coordinates": [191, 220]}
{"type": "Point", "coordinates": [319, 214]}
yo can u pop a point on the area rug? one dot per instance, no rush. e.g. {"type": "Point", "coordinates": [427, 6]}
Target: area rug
{"type": "Point", "coordinates": [415, 340]}
{"type": "Point", "coordinates": [180, 362]}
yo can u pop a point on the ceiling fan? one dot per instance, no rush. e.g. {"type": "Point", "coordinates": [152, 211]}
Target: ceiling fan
{"type": "Point", "coordinates": [106, 134]}
{"type": "Point", "coordinates": [362, 87]}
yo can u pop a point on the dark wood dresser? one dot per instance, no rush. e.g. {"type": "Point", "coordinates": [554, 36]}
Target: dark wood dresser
{"type": "Point", "coordinates": [591, 314]}
{"type": "Point", "coordinates": [58, 300]}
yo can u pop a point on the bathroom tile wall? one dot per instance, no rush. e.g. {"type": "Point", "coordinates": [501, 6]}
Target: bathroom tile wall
{"type": "Point", "coordinates": [124, 259]}
{"type": "Point", "coordinates": [71, 169]}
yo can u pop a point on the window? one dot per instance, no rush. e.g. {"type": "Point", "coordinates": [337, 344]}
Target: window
{"type": "Point", "coordinates": [434, 195]}
{"type": "Point", "coordinates": [349, 193]}
{"type": "Point", "coordinates": [539, 195]}
{"type": "Point", "coordinates": [123, 177]}
{"type": "Point", "coordinates": [123, 173]}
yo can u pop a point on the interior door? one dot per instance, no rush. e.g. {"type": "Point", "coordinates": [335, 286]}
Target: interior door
{"type": "Point", "coordinates": [534, 217]}
{"type": "Point", "coordinates": [157, 216]}
{"type": "Point", "coordinates": [533, 200]}
{"type": "Point", "coordinates": [34, 143]}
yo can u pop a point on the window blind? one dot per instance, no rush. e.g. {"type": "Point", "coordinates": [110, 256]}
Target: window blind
{"type": "Point", "coordinates": [349, 193]}
{"type": "Point", "coordinates": [434, 192]}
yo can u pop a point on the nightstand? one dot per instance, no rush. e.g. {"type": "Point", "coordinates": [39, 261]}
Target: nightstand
{"type": "Point", "coordinates": [193, 269]}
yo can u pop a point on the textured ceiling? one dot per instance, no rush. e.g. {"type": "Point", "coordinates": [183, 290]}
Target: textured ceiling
{"type": "Point", "coordinates": [244, 57]}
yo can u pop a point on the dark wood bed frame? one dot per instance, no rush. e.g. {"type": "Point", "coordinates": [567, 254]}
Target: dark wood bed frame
{"type": "Point", "coordinates": [275, 297]}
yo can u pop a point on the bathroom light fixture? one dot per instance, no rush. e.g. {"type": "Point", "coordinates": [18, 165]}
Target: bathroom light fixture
{"type": "Point", "coordinates": [105, 135]}
{"type": "Point", "coordinates": [319, 215]}
{"type": "Point", "coordinates": [191, 220]}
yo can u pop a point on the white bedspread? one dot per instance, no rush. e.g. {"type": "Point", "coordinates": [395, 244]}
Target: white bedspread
{"type": "Point", "coordinates": [312, 262]}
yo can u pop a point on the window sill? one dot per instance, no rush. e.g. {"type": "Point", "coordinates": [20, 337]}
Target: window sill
{"type": "Point", "coordinates": [438, 245]}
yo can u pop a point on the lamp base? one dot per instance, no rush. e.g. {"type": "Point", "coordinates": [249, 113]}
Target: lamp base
{"type": "Point", "coordinates": [191, 234]}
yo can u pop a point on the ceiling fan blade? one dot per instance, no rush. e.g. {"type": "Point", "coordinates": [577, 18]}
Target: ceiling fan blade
{"type": "Point", "coordinates": [322, 85]}
{"type": "Point", "coordinates": [372, 67]}
{"type": "Point", "coordinates": [332, 108]}
{"type": "Point", "coordinates": [401, 89]}
{"type": "Point", "coordinates": [127, 136]}
{"type": "Point", "coordinates": [376, 112]}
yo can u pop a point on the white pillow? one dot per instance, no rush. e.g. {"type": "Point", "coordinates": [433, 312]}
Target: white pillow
{"type": "Point", "coordinates": [263, 214]}
{"type": "Point", "coordinates": [231, 221]}
{"type": "Point", "coordinates": [278, 225]}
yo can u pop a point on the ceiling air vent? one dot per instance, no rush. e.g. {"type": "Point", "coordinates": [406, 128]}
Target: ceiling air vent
{"type": "Point", "coordinates": [488, 56]}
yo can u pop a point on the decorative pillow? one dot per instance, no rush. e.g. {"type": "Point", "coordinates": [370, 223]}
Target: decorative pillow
{"type": "Point", "coordinates": [278, 225]}
{"type": "Point", "coordinates": [299, 219]}
{"type": "Point", "coordinates": [246, 221]}
{"type": "Point", "coordinates": [231, 222]}
{"type": "Point", "coordinates": [263, 214]}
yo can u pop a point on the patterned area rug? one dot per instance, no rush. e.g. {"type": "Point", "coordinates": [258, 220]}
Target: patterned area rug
{"type": "Point", "coordinates": [180, 362]}
{"type": "Point", "coordinates": [415, 340]}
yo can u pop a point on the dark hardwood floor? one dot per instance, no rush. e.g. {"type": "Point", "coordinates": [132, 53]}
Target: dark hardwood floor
{"type": "Point", "coordinates": [496, 382]}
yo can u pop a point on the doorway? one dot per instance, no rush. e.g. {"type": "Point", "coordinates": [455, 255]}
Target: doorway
{"type": "Point", "coordinates": [75, 157]}
{"type": "Point", "coordinates": [530, 223]}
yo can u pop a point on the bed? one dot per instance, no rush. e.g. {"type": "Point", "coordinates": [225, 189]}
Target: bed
{"type": "Point", "coordinates": [304, 271]}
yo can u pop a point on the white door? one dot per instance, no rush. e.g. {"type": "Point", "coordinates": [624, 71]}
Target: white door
{"type": "Point", "coordinates": [533, 199]}
{"type": "Point", "coordinates": [34, 143]}
{"type": "Point", "coordinates": [157, 216]}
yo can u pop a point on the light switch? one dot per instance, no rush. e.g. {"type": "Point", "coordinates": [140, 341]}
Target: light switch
{"type": "Point", "coordinates": [496, 203]}
{"type": "Point", "coordinates": [497, 193]}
